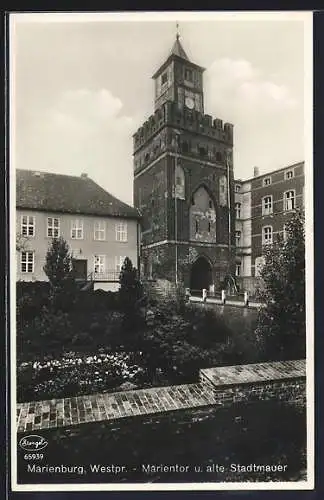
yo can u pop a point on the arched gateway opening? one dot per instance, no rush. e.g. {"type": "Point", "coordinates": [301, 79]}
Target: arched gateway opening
{"type": "Point", "coordinates": [201, 275]}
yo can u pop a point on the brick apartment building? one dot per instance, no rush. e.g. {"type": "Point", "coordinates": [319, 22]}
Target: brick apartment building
{"type": "Point", "coordinates": [99, 229]}
{"type": "Point", "coordinates": [263, 206]}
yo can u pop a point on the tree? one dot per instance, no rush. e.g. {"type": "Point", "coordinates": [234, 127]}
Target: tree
{"type": "Point", "coordinates": [58, 269]}
{"type": "Point", "coordinates": [130, 294]}
{"type": "Point", "coordinates": [281, 330]}
{"type": "Point", "coordinates": [21, 242]}
{"type": "Point", "coordinates": [58, 266]}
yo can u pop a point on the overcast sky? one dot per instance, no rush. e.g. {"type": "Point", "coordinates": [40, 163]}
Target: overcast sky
{"type": "Point", "coordinates": [83, 87]}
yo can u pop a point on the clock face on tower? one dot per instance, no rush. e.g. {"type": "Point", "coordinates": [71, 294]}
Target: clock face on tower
{"type": "Point", "coordinates": [192, 100]}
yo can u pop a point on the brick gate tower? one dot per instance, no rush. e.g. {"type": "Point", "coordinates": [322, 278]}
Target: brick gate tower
{"type": "Point", "coordinates": [183, 182]}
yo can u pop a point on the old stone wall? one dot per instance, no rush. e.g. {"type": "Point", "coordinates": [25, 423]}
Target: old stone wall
{"type": "Point", "coordinates": [218, 387]}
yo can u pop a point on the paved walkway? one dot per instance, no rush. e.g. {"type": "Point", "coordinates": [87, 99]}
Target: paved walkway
{"type": "Point", "coordinates": [65, 412]}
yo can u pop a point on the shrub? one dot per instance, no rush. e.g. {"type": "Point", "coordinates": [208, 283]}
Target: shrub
{"type": "Point", "coordinates": [73, 375]}
{"type": "Point", "coordinates": [181, 344]}
{"type": "Point", "coordinates": [52, 333]}
{"type": "Point", "coordinates": [31, 297]}
{"type": "Point", "coordinates": [96, 301]}
{"type": "Point", "coordinates": [130, 295]}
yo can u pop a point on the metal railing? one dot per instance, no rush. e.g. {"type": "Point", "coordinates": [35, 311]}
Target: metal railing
{"type": "Point", "coordinates": [109, 275]}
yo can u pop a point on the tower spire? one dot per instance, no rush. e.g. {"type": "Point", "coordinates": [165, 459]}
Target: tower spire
{"type": "Point", "coordinates": [177, 34]}
{"type": "Point", "coordinates": [177, 49]}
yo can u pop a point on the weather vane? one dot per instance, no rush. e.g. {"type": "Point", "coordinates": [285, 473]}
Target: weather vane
{"type": "Point", "coordinates": [178, 34]}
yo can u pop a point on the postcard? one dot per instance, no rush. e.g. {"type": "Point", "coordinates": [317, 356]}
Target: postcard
{"type": "Point", "coordinates": [161, 235]}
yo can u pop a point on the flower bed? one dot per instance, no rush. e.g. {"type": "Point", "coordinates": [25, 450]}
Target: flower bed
{"type": "Point", "coordinates": [74, 374]}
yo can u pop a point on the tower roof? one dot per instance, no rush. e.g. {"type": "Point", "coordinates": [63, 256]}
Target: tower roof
{"type": "Point", "coordinates": [178, 50]}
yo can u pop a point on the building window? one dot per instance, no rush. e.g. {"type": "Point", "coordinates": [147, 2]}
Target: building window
{"type": "Point", "coordinates": [164, 78]}
{"type": "Point", "coordinates": [238, 210]}
{"type": "Point", "coordinates": [289, 174]}
{"type": "Point", "coordinates": [259, 263]}
{"type": "Point", "coordinates": [27, 262]}
{"type": "Point", "coordinates": [289, 200]}
{"type": "Point", "coordinates": [238, 235]}
{"type": "Point", "coordinates": [192, 200]}
{"type": "Point", "coordinates": [53, 227]}
{"type": "Point", "coordinates": [185, 147]}
{"type": "Point", "coordinates": [100, 230]}
{"type": "Point", "coordinates": [197, 226]}
{"type": "Point", "coordinates": [209, 227]}
{"type": "Point", "coordinates": [222, 190]}
{"type": "Point", "coordinates": [121, 231]}
{"type": "Point", "coordinates": [27, 225]}
{"type": "Point", "coordinates": [188, 75]}
{"type": "Point", "coordinates": [238, 269]}
{"type": "Point", "coordinates": [237, 188]}
{"type": "Point", "coordinates": [180, 182]}
{"type": "Point", "coordinates": [202, 151]}
{"type": "Point", "coordinates": [267, 235]}
{"type": "Point", "coordinates": [219, 156]}
{"type": "Point", "coordinates": [99, 264]}
{"type": "Point", "coordinates": [267, 181]}
{"type": "Point", "coordinates": [77, 229]}
{"type": "Point", "coordinates": [267, 205]}
{"type": "Point", "coordinates": [210, 204]}
{"type": "Point", "coordinates": [119, 261]}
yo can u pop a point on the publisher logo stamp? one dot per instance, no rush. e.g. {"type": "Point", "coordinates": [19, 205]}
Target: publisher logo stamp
{"type": "Point", "coordinates": [33, 442]}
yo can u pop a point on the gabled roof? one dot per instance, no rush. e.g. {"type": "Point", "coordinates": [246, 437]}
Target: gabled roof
{"type": "Point", "coordinates": [65, 193]}
{"type": "Point", "coordinates": [178, 50]}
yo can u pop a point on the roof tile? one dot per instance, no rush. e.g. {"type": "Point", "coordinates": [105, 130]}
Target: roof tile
{"type": "Point", "coordinates": [65, 193]}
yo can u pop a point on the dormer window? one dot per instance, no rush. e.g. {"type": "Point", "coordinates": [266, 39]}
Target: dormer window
{"type": "Point", "coordinates": [289, 174]}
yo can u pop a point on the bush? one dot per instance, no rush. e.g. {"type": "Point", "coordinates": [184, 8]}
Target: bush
{"type": "Point", "coordinates": [96, 301]}
{"type": "Point", "coordinates": [52, 333]}
{"type": "Point", "coordinates": [73, 375]}
{"type": "Point", "coordinates": [31, 297]}
{"type": "Point", "coordinates": [181, 344]}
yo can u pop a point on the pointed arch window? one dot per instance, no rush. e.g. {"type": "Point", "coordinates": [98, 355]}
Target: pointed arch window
{"type": "Point", "coordinates": [223, 190]}
{"type": "Point", "coordinates": [179, 183]}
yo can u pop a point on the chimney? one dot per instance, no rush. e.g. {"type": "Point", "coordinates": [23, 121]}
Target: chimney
{"type": "Point", "coordinates": [84, 176]}
{"type": "Point", "coordinates": [256, 172]}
